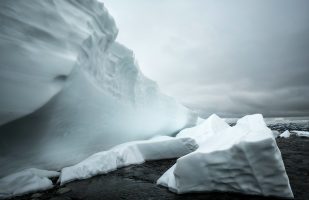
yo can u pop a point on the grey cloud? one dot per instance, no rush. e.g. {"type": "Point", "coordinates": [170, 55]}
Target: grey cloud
{"type": "Point", "coordinates": [226, 57]}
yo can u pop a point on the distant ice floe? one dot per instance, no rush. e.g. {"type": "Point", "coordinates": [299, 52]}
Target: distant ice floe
{"type": "Point", "coordinates": [243, 158]}
{"type": "Point", "coordinates": [26, 181]}
{"type": "Point", "coordinates": [301, 133]}
{"type": "Point", "coordinates": [287, 134]}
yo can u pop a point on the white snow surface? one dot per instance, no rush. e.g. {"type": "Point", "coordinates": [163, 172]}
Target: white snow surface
{"type": "Point", "coordinates": [244, 158]}
{"type": "Point", "coordinates": [136, 152]}
{"type": "Point", "coordinates": [26, 181]}
{"type": "Point", "coordinates": [69, 90]}
{"type": "Point", "coordinates": [285, 134]}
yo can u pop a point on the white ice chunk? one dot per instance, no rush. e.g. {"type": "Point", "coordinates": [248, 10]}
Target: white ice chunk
{"type": "Point", "coordinates": [137, 152]}
{"type": "Point", "coordinates": [285, 134]}
{"type": "Point", "coordinates": [205, 129]}
{"type": "Point", "coordinates": [26, 181]}
{"type": "Point", "coordinates": [244, 158]}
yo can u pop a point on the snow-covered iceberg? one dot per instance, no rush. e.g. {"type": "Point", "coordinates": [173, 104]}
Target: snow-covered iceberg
{"type": "Point", "coordinates": [68, 90]}
{"type": "Point", "coordinates": [136, 152]}
{"type": "Point", "coordinates": [26, 181]}
{"type": "Point", "coordinates": [244, 158]}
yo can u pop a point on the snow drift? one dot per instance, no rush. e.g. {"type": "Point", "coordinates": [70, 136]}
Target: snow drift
{"type": "Point", "coordinates": [136, 152]}
{"type": "Point", "coordinates": [69, 90]}
{"type": "Point", "coordinates": [26, 181]}
{"type": "Point", "coordinates": [244, 158]}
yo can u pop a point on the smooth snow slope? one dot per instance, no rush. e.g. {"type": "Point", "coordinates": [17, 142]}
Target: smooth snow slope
{"type": "Point", "coordinates": [244, 158]}
{"type": "Point", "coordinates": [69, 90]}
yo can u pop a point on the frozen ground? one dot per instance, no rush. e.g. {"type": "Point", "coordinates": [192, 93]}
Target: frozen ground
{"type": "Point", "coordinates": [138, 181]}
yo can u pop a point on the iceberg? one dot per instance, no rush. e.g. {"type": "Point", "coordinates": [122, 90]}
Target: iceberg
{"type": "Point", "coordinates": [243, 158]}
{"type": "Point", "coordinates": [136, 152]}
{"type": "Point", "coordinates": [69, 90]}
{"type": "Point", "coordinates": [26, 181]}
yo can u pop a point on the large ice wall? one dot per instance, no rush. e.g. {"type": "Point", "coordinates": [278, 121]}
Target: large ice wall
{"type": "Point", "coordinates": [68, 89]}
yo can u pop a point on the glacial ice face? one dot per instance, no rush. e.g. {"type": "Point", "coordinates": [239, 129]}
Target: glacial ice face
{"type": "Point", "coordinates": [244, 158]}
{"type": "Point", "coordinates": [69, 90]}
{"type": "Point", "coordinates": [41, 42]}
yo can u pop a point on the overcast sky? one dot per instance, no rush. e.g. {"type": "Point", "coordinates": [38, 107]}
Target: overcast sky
{"type": "Point", "coordinates": [220, 56]}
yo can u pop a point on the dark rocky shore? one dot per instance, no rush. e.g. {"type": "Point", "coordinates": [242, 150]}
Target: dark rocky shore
{"type": "Point", "coordinates": [139, 181]}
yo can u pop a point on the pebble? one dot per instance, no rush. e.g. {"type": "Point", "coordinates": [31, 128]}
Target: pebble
{"type": "Point", "coordinates": [63, 190]}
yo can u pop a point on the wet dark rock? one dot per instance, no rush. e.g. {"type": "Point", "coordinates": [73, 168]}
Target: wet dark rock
{"type": "Point", "coordinates": [63, 190]}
